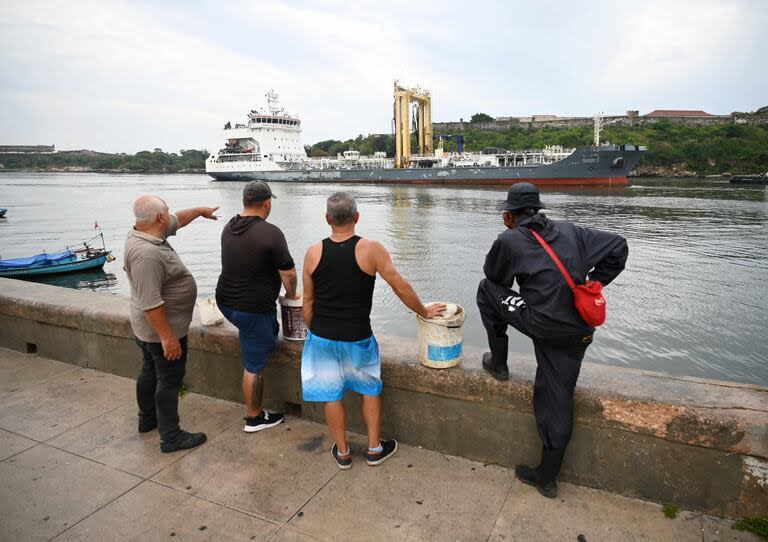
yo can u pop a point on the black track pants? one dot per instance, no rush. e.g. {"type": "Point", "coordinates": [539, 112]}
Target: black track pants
{"type": "Point", "coordinates": [157, 387]}
{"type": "Point", "coordinates": [558, 361]}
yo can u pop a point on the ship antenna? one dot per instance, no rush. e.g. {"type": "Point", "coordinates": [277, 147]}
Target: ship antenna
{"type": "Point", "coordinates": [598, 127]}
{"type": "Point", "coordinates": [274, 107]}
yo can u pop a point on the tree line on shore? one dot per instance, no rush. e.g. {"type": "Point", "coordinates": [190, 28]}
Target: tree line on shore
{"type": "Point", "coordinates": [702, 150]}
{"type": "Point", "coordinates": [155, 161]}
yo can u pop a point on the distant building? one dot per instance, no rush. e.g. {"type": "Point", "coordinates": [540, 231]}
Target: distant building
{"type": "Point", "coordinates": [27, 149]}
{"type": "Point", "coordinates": [677, 113]}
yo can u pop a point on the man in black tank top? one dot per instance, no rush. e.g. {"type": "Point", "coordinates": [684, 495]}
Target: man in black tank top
{"type": "Point", "coordinates": [340, 352]}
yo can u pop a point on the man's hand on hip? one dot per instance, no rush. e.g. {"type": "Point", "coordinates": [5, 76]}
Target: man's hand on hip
{"type": "Point", "coordinates": [171, 347]}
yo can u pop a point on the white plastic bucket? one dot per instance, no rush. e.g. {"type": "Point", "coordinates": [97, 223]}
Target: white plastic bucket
{"type": "Point", "coordinates": [441, 338]}
{"type": "Point", "coordinates": [292, 316]}
{"type": "Point", "coordinates": [210, 315]}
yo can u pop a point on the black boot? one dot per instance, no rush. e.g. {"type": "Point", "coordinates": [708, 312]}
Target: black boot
{"type": "Point", "coordinates": [495, 361]}
{"type": "Point", "coordinates": [543, 477]}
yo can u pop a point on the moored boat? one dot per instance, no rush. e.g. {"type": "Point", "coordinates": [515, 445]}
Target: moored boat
{"type": "Point", "coordinates": [2, 212]}
{"type": "Point", "coordinates": [750, 179]}
{"type": "Point", "coordinates": [69, 260]}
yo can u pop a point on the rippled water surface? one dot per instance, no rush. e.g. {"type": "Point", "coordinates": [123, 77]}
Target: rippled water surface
{"type": "Point", "coordinates": [692, 301]}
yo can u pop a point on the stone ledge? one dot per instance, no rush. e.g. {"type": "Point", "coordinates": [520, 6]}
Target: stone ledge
{"type": "Point", "coordinates": [642, 413]}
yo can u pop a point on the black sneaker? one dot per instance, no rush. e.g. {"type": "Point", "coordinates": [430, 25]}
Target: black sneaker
{"type": "Point", "coordinates": [147, 424]}
{"type": "Point", "coordinates": [183, 442]}
{"type": "Point", "coordinates": [377, 458]}
{"type": "Point", "coordinates": [344, 462]}
{"type": "Point", "coordinates": [265, 420]}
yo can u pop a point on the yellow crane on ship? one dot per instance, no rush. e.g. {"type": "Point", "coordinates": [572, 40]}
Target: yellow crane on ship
{"type": "Point", "coordinates": [403, 99]}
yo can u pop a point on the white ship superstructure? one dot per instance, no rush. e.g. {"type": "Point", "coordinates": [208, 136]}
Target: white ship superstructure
{"type": "Point", "coordinates": [269, 141]}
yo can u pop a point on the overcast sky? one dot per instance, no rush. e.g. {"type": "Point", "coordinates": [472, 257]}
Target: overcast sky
{"type": "Point", "coordinates": [126, 76]}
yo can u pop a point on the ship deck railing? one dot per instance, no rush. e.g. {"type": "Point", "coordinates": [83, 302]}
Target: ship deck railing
{"type": "Point", "coordinates": [238, 157]}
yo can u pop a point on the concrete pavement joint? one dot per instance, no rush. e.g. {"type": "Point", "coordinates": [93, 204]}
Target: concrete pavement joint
{"type": "Point", "coordinates": [74, 369]}
{"type": "Point", "coordinates": [217, 503]}
{"type": "Point", "coordinates": [314, 495]}
{"type": "Point", "coordinates": [501, 509]}
{"type": "Point", "coordinates": [20, 452]}
{"type": "Point", "coordinates": [94, 461]}
{"type": "Point", "coordinates": [141, 481]}
{"type": "Point", "coordinates": [87, 421]}
{"type": "Point", "coordinates": [188, 453]}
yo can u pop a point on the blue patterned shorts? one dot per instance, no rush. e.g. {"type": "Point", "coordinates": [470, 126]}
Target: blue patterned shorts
{"type": "Point", "coordinates": [329, 368]}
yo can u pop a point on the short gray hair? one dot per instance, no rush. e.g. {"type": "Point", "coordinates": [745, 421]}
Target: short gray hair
{"type": "Point", "coordinates": [146, 209]}
{"type": "Point", "coordinates": [341, 208]}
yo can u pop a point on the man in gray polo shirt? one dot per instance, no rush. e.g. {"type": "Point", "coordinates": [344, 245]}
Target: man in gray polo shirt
{"type": "Point", "coordinates": [163, 295]}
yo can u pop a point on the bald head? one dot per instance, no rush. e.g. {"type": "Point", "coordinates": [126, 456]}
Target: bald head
{"type": "Point", "coordinates": [147, 209]}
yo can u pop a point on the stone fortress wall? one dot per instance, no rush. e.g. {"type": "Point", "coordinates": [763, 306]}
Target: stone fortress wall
{"type": "Point", "coordinates": [631, 118]}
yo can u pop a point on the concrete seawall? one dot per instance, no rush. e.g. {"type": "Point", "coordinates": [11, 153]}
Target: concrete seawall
{"type": "Point", "coordinates": [700, 444]}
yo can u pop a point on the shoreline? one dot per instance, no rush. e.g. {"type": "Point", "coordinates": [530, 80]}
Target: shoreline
{"type": "Point", "coordinates": [195, 171]}
{"type": "Point", "coordinates": [185, 171]}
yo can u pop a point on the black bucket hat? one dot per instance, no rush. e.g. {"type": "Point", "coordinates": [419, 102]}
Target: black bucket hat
{"type": "Point", "coordinates": [521, 196]}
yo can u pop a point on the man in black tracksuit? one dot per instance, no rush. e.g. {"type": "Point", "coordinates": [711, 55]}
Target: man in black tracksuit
{"type": "Point", "coordinates": [544, 311]}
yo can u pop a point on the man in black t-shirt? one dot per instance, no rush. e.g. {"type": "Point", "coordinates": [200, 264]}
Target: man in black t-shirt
{"type": "Point", "coordinates": [255, 260]}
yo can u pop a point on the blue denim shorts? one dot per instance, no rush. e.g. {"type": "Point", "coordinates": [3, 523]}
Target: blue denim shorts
{"type": "Point", "coordinates": [329, 368]}
{"type": "Point", "coordinates": [258, 336]}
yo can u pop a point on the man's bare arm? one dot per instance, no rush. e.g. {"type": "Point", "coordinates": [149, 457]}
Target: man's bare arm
{"type": "Point", "coordinates": [185, 216]}
{"type": "Point", "coordinates": [159, 322]}
{"type": "Point", "coordinates": [400, 286]}
{"type": "Point", "coordinates": [290, 282]}
{"type": "Point", "coordinates": [310, 262]}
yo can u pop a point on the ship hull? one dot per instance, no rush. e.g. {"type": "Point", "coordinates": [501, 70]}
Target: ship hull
{"type": "Point", "coordinates": [586, 166]}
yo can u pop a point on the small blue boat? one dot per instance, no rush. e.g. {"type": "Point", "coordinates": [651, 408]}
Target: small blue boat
{"type": "Point", "coordinates": [68, 260]}
{"type": "Point", "coordinates": [2, 212]}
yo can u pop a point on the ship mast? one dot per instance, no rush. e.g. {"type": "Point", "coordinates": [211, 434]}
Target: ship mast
{"type": "Point", "coordinates": [274, 107]}
{"type": "Point", "coordinates": [598, 127]}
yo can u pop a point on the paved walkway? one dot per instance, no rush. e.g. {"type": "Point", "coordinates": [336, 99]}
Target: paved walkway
{"type": "Point", "coordinates": [73, 467]}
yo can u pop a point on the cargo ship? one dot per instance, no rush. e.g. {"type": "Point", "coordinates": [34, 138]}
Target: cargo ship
{"type": "Point", "coordinates": [268, 147]}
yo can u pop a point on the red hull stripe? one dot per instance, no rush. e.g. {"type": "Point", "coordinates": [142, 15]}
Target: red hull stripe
{"type": "Point", "coordinates": [586, 181]}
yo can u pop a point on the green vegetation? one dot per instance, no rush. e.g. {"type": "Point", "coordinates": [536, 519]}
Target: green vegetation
{"type": "Point", "coordinates": [155, 161]}
{"type": "Point", "coordinates": [367, 145]}
{"type": "Point", "coordinates": [756, 526]}
{"type": "Point", "coordinates": [481, 117]}
{"type": "Point", "coordinates": [705, 150]}
{"type": "Point", "coordinates": [670, 511]}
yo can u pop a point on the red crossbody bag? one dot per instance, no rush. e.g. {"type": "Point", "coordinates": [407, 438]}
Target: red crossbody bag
{"type": "Point", "coordinates": [588, 298]}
